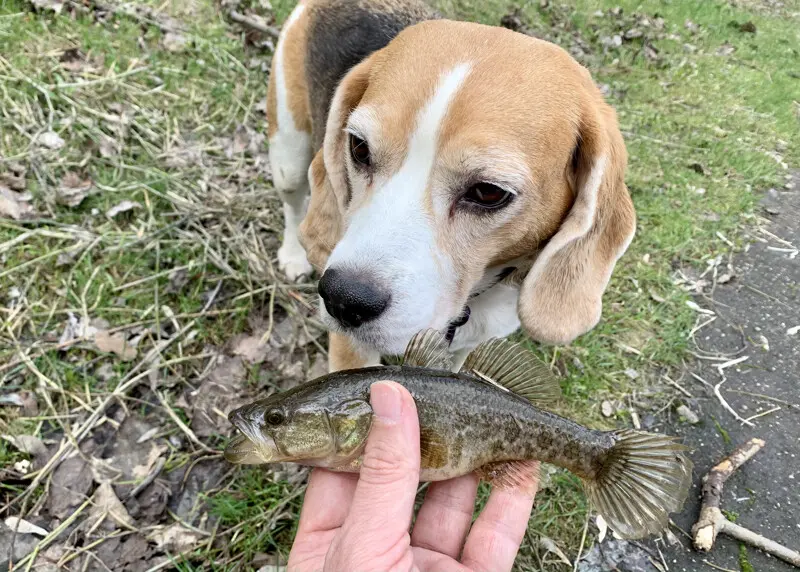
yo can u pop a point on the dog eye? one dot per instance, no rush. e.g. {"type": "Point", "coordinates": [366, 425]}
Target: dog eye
{"type": "Point", "coordinates": [274, 417]}
{"type": "Point", "coordinates": [487, 196]}
{"type": "Point", "coordinates": [359, 150]}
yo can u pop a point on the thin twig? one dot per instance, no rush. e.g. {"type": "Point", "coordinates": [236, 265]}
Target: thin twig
{"type": "Point", "coordinates": [763, 413]}
{"type": "Point", "coordinates": [727, 406]}
{"type": "Point", "coordinates": [677, 386]}
{"type": "Point", "coordinates": [255, 25]}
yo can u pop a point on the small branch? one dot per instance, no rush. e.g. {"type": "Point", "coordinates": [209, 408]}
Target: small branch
{"type": "Point", "coordinates": [677, 386]}
{"type": "Point", "coordinates": [254, 25]}
{"type": "Point", "coordinates": [712, 522]}
{"type": "Point", "coordinates": [778, 550]}
{"type": "Point", "coordinates": [727, 406]}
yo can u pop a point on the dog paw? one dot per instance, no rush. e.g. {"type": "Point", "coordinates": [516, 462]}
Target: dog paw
{"type": "Point", "coordinates": [293, 263]}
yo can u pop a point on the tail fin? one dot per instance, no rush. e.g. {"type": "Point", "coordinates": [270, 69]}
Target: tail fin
{"type": "Point", "coordinates": [645, 477]}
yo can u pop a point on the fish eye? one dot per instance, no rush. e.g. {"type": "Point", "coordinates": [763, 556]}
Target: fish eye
{"type": "Point", "coordinates": [274, 417]}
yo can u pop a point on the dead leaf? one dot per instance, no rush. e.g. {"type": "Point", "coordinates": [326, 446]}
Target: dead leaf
{"type": "Point", "coordinates": [175, 538]}
{"type": "Point", "coordinates": [178, 279]}
{"type": "Point", "coordinates": [550, 545]}
{"type": "Point", "coordinates": [108, 147]}
{"type": "Point", "coordinates": [24, 399]}
{"type": "Point", "coordinates": [75, 61]}
{"type": "Point", "coordinates": [24, 527]}
{"type": "Point", "coordinates": [104, 372]}
{"type": "Point", "coordinates": [14, 180]}
{"type": "Point", "coordinates": [115, 343]}
{"type": "Point", "coordinates": [108, 509]}
{"type": "Point", "coordinates": [631, 373]}
{"type": "Point", "coordinates": [103, 471]}
{"type": "Point", "coordinates": [141, 471]}
{"type": "Point", "coordinates": [27, 444]}
{"type": "Point", "coordinates": [73, 189]}
{"type": "Point", "coordinates": [71, 481]}
{"type": "Point", "coordinates": [174, 42]}
{"type": "Point", "coordinates": [122, 207]}
{"type": "Point", "coordinates": [146, 436]}
{"type": "Point", "coordinates": [602, 528]}
{"type": "Point", "coordinates": [726, 49]}
{"type": "Point", "coordinates": [50, 139]}
{"type": "Point", "coordinates": [32, 446]}
{"type": "Point", "coordinates": [184, 155]}
{"type": "Point", "coordinates": [216, 396]}
{"type": "Point", "coordinates": [250, 348]}
{"type": "Point", "coordinates": [134, 549]}
{"type": "Point", "coordinates": [15, 205]}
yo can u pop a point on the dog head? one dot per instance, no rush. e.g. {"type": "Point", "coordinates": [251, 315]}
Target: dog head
{"type": "Point", "coordinates": [450, 153]}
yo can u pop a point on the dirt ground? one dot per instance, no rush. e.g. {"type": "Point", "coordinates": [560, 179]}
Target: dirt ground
{"type": "Point", "coordinates": [758, 313]}
{"type": "Point", "coordinates": [755, 312]}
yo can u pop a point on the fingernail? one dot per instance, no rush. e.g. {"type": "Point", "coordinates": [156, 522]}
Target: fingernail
{"type": "Point", "coordinates": [386, 401]}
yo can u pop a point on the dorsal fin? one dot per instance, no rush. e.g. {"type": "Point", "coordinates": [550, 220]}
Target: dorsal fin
{"type": "Point", "coordinates": [513, 368]}
{"type": "Point", "coordinates": [428, 348]}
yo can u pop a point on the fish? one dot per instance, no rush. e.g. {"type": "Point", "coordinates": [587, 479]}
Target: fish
{"type": "Point", "coordinates": [490, 417]}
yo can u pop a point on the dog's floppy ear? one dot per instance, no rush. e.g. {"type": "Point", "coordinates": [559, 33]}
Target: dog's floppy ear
{"type": "Point", "coordinates": [561, 297]}
{"type": "Point", "coordinates": [323, 224]}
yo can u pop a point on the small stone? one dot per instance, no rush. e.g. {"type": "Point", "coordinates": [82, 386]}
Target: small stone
{"type": "Point", "coordinates": [688, 415]}
{"type": "Point", "coordinates": [607, 409]}
{"type": "Point", "coordinates": [50, 139]}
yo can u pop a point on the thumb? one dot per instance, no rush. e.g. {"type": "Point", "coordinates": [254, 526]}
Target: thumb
{"type": "Point", "coordinates": [387, 484]}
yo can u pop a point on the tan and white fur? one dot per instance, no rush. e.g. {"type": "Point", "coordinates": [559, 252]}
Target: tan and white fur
{"type": "Point", "coordinates": [444, 108]}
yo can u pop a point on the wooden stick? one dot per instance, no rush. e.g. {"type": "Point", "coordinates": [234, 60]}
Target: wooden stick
{"type": "Point", "coordinates": [712, 522]}
{"type": "Point", "coordinates": [253, 24]}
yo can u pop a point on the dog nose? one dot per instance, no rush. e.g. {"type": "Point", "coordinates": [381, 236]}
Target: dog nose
{"type": "Point", "coordinates": [349, 299]}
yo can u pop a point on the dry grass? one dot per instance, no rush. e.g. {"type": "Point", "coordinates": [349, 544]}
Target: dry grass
{"type": "Point", "coordinates": [141, 302]}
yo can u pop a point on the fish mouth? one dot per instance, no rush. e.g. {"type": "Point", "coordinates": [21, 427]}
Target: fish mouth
{"type": "Point", "coordinates": [243, 451]}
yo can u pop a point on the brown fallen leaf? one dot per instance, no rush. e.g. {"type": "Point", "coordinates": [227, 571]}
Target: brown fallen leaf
{"type": "Point", "coordinates": [24, 399]}
{"type": "Point", "coordinates": [221, 391]}
{"type": "Point", "coordinates": [250, 348]}
{"type": "Point", "coordinates": [15, 205]}
{"type": "Point", "coordinates": [108, 509]}
{"type": "Point", "coordinates": [73, 189]}
{"type": "Point", "coordinates": [14, 180]}
{"type": "Point", "coordinates": [175, 538]}
{"type": "Point", "coordinates": [115, 343]}
{"type": "Point", "coordinates": [69, 485]}
{"type": "Point", "coordinates": [174, 42]}
{"type": "Point", "coordinates": [75, 61]}
{"type": "Point", "coordinates": [141, 471]}
{"type": "Point", "coordinates": [27, 444]}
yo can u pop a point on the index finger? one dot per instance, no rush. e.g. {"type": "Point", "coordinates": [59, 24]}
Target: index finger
{"type": "Point", "coordinates": [495, 537]}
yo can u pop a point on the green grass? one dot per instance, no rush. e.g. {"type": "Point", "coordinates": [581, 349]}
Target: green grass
{"type": "Point", "coordinates": [697, 104]}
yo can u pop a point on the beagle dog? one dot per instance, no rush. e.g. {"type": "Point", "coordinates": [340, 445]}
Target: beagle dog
{"type": "Point", "coordinates": [441, 174]}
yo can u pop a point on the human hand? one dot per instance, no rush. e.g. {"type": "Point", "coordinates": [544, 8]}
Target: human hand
{"type": "Point", "coordinates": [361, 522]}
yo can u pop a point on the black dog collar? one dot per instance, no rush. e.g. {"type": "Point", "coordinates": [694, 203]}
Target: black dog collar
{"type": "Point", "coordinates": [464, 317]}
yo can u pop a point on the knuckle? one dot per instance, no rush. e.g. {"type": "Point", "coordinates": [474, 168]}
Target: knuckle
{"type": "Point", "coordinates": [385, 463]}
